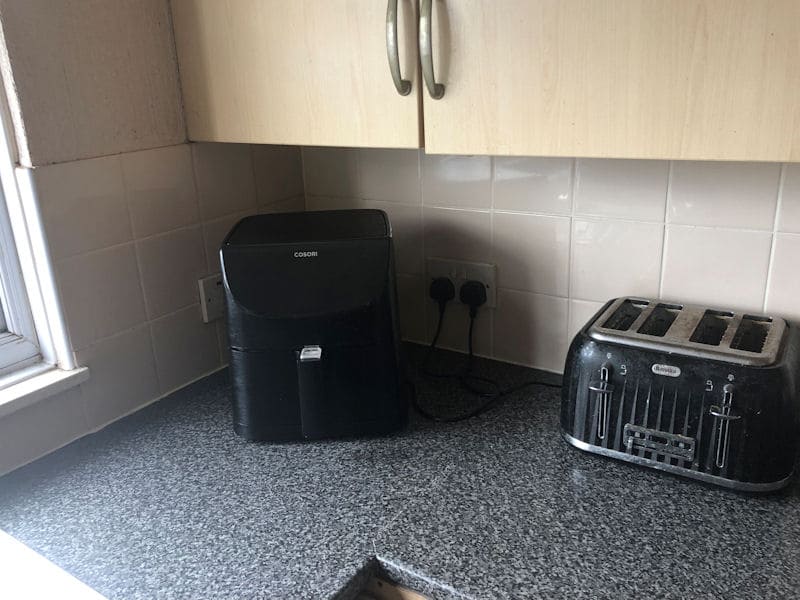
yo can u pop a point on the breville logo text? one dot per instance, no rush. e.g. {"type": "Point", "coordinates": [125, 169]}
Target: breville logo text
{"type": "Point", "coordinates": [305, 254]}
{"type": "Point", "coordinates": [668, 370]}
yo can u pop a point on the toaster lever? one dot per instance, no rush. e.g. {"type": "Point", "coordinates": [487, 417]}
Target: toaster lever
{"type": "Point", "coordinates": [718, 412]}
{"type": "Point", "coordinates": [724, 417]}
{"type": "Point", "coordinates": [603, 389]}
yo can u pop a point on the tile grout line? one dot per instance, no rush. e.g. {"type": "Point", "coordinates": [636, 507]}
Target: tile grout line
{"type": "Point", "coordinates": [203, 235]}
{"type": "Point", "coordinates": [135, 240]}
{"type": "Point", "coordinates": [774, 237]}
{"type": "Point", "coordinates": [667, 201]}
{"type": "Point", "coordinates": [302, 150]}
{"type": "Point", "coordinates": [570, 253]}
{"type": "Point", "coordinates": [425, 276]}
{"type": "Point", "coordinates": [492, 180]}
{"type": "Point", "coordinates": [145, 303]}
{"type": "Point", "coordinates": [257, 198]}
{"type": "Point", "coordinates": [147, 322]}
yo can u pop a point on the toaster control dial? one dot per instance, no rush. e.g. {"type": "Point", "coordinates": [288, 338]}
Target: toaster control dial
{"type": "Point", "coordinates": [603, 388]}
{"type": "Point", "coordinates": [724, 416]}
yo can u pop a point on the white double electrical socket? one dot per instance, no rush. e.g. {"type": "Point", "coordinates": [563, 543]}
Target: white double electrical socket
{"type": "Point", "coordinates": [212, 297]}
{"type": "Point", "coordinates": [459, 271]}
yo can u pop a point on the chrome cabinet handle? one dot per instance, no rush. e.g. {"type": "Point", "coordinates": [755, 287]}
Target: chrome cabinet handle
{"type": "Point", "coordinates": [403, 85]}
{"type": "Point", "coordinates": [436, 90]}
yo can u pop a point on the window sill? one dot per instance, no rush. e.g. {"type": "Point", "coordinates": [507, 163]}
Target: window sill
{"type": "Point", "coordinates": [37, 382]}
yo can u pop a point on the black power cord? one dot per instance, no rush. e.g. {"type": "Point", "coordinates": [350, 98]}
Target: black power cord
{"type": "Point", "coordinates": [442, 291]}
{"type": "Point", "coordinates": [473, 294]}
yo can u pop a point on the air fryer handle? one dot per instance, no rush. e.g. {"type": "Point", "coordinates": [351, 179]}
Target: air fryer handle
{"type": "Point", "coordinates": [311, 390]}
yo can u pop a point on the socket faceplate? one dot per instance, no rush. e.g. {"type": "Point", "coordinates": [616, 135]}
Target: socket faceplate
{"type": "Point", "coordinates": [459, 271]}
{"type": "Point", "coordinates": [212, 297]}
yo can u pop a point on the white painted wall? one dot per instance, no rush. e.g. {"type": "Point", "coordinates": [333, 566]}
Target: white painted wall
{"type": "Point", "coordinates": [90, 78]}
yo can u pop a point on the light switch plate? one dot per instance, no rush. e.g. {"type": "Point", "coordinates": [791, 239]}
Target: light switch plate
{"type": "Point", "coordinates": [212, 297]}
{"type": "Point", "coordinates": [459, 271]}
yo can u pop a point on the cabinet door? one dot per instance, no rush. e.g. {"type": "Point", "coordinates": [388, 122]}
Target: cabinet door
{"type": "Point", "coordinates": [683, 79]}
{"type": "Point", "coordinates": [309, 72]}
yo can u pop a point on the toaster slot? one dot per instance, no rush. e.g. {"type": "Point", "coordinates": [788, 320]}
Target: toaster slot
{"type": "Point", "coordinates": [625, 315]}
{"type": "Point", "coordinates": [711, 328]}
{"type": "Point", "coordinates": [751, 334]}
{"type": "Point", "coordinates": [660, 320]}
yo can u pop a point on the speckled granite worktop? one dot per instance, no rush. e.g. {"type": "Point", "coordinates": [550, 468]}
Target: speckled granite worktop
{"type": "Point", "coordinates": [169, 504]}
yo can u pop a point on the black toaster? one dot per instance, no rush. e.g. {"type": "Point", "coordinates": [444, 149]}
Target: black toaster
{"type": "Point", "coordinates": [707, 394]}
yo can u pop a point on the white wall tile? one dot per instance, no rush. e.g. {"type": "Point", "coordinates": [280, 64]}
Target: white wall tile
{"type": "Point", "coordinates": [83, 205]}
{"type": "Point", "coordinates": [457, 181]}
{"type": "Point", "coordinates": [525, 184]}
{"type": "Point", "coordinates": [721, 267]}
{"type": "Point", "coordinates": [531, 329]}
{"type": "Point", "coordinates": [332, 202]}
{"type": "Point", "coordinates": [389, 175]}
{"type": "Point", "coordinates": [296, 204]}
{"type": "Point", "coordinates": [459, 234]}
{"type": "Point", "coordinates": [412, 294]}
{"type": "Point", "coordinates": [331, 172]}
{"type": "Point", "coordinates": [278, 173]}
{"type": "Point", "coordinates": [724, 194]}
{"type": "Point", "coordinates": [101, 294]}
{"type": "Point", "coordinates": [41, 428]}
{"type": "Point", "coordinates": [615, 258]}
{"type": "Point", "coordinates": [532, 252]}
{"type": "Point", "coordinates": [455, 328]}
{"type": "Point", "coordinates": [407, 234]}
{"type": "Point", "coordinates": [628, 189]}
{"type": "Point", "coordinates": [225, 179]}
{"type": "Point", "coordinates": [783, 293]}
{"type": "Point", "coordinates": [185, 348]}
{"type": "Point", "coordinates": [171, 264]}
{"type": "Point", "coordinates": [580, 311]}
{"type": "Point", "coordinates": [789, 213]}
{"type": "Point", "coordinates": [159, 186]}
{"type": "Point", "coordinates": [122, 376]}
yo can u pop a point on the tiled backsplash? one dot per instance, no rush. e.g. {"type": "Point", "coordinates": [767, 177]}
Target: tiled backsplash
{"type": "Point", "coordinates": [130, 235]}
{"type": "Point", "coordinates": [568, 234]}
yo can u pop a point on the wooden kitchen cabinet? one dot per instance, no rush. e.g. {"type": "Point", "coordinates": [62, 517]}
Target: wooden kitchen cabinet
{"type": "Point", "coordinates": [680, 79]}
{"type": "Point", "coordinates": [667, 79]}
{"type": "Point", "coordinates": [310, 72]}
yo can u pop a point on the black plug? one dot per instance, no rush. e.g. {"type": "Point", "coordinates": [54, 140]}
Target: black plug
{"type": "Point", "coordinates": [442, 290]}
{"type": "Point", "coordinates": [473, 294]}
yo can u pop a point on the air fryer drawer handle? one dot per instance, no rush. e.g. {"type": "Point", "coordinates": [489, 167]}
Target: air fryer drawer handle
{"type": "Point", "coordinates": [310, 389]}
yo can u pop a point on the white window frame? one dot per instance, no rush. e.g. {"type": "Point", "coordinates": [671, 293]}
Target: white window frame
{"type": "Point", "coordinates": [36, 358]}
{"type": "Point", "coordinates": [19, 344]}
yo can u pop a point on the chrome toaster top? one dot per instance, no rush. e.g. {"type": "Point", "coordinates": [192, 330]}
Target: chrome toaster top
{"type": "Point", "coordinates": [708, 394]}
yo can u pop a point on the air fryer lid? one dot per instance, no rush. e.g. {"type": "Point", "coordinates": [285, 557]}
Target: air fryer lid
{"type": "Point", "coordinates": [309, 227]}
{"type": "Point", "coordinates": [313, 277]}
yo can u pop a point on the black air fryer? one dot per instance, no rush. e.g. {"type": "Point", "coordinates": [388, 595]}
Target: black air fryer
{"type": "Point", "coordinates": [312, 321]}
